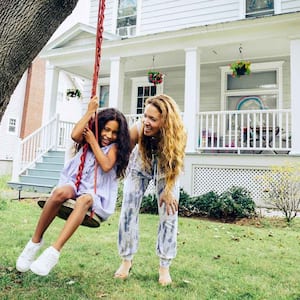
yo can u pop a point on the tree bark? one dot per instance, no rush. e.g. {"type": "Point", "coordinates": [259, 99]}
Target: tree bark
{"type": "Point", "coordinates": [25, 28]}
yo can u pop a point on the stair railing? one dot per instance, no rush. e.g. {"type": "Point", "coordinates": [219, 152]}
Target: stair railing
{"type": "Point", "coordinates": [31, 149]}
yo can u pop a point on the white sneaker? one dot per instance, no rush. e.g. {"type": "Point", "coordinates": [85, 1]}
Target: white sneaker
{"type": "Point", "coordinates": [45, 262]}
{"type": "Point", "coordinates": [28, 255]}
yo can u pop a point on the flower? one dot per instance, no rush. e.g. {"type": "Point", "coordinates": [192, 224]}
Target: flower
{"type": "Point", "coordinates": [155, 77]}
{"type": "Point", "coordinates": [240, 68]}
{"type": "Point", "coordinates": [73, 93]}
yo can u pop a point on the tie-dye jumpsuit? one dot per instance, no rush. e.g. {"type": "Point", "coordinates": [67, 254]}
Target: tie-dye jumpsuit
{"type": "Point", "coordinates": [135, 185]}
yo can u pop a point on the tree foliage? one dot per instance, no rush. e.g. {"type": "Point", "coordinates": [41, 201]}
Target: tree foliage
{"type": "Point", "coordinates": [25, 28]}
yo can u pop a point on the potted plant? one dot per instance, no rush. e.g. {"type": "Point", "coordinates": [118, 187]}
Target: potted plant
{"type": "Point", "coordinates": [72, 93]}
{"type": "Point", "coordinates": [155, 77]}
{"type": "Point", "coordinates": [240, 68]}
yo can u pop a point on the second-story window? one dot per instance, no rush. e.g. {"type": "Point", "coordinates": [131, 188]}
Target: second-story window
{"type": "Point", "coordinates": [126, 20]}
{"type": "Point", "coordinates": [256, 8]}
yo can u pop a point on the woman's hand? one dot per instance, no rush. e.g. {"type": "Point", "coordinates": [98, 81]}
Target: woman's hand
{"type": "Point", "coordinates": [170, 202]}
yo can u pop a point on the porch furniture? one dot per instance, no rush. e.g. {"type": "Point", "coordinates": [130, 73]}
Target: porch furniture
{"type": "Point", "coordinates": [260, 136]}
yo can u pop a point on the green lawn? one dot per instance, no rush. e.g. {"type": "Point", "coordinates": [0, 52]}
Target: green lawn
{"type": "Point", "coordinates": [214, 261]}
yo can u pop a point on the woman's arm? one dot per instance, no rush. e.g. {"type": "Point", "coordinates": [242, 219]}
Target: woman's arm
{"type": "Point", "coordinates": [134, 135]}
{"type": "Point", "coordinates": [83, 122]}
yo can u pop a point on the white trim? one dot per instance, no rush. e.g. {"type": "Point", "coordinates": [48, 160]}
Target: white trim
{"type": "Point", "coordinates": [114, 17]}
{"type": "Point", "coordinates": [277, 7]}
{"type": "Point", "coordinates": [242, 9]}
{"type": "Point", "coordinates": [138, 17]}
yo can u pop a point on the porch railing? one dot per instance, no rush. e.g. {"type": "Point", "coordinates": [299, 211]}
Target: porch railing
{"type": "Point", "coordinates": [231, 131]}
{"type": "Point", "coordinates": [251, 131]}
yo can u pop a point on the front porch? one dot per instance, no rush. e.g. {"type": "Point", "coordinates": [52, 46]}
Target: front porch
{"type": "Point", "coordinates": [232, 148]}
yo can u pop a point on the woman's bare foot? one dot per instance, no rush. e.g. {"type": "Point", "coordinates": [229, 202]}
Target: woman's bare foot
{"type": "Point", "coordinates": [124, 269]}
{"type": "Point", "coordinates": [164, 276]}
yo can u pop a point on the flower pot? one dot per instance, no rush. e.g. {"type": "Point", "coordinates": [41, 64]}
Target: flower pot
{"type": "Point", "coordinates": [241, 71]}
{"type": "Point", "coordinates": [155, 77]}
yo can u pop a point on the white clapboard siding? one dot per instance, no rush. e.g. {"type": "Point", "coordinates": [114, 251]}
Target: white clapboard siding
{"type": "Point", "coordinates": [290, 6]}
{"type": "Point", "coordinates": [109, 14]}
{"type": "Point", "coordinates": [169, 15]}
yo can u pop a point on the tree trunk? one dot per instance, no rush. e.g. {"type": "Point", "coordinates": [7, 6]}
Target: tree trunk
{"type": "Point", "coordinates": [25, 28]}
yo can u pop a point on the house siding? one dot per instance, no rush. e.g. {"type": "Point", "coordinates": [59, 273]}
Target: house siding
{"type": "Point", "coordinates": [290, 6]}
{"type": "Point", "coordinates": [159, 16]}
{"type": "Point", "coordinates": [109, 14]}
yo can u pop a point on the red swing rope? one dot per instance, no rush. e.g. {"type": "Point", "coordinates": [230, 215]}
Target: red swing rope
{"type": "Point", "coordinates": [99, 39]}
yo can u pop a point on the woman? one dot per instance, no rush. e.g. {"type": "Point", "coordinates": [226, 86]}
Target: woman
{"type": "Point", "coordinates": [159, 148]}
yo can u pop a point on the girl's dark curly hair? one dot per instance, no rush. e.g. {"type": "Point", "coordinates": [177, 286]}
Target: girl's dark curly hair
{"type": "Point", "coordinates": [123, 138]}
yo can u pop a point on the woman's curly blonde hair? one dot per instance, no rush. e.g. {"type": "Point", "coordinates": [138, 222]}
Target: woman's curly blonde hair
{"type": "Point", "coordinates": [171, 143]}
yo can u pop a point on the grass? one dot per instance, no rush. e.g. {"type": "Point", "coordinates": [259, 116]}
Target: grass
{"type": "Point", "coordinates": [257, 260]}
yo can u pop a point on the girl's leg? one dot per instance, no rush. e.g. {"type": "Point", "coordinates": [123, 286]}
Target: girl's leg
{"type": "Point", "coordinates": [49, 258]}
{"type": "Point", "coordinates": [58, 196]}
{"type": "Point", "coordinates": [82, 205]}
{"type": "Point", "coordinates": [51, 208]}
{"type": "Point", "coordinates": [134, 188]}
{"type": "Point", "coordinates": [167, 236]}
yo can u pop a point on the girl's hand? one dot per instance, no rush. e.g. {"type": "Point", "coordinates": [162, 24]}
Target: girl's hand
{"type": "Point", "coordinates": [93, 105]}
{"type": "Point", "coordinates": [89, 135]}
{"type": "Point", "coordinates": [170, 202]}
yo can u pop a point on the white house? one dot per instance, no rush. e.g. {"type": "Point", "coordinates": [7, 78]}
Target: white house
{"type": "Point", "coordinates": [238, 127]}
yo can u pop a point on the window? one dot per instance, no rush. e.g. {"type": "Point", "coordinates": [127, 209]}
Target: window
{"type": "Point", "coordinates": [141, 90]}
{"type": "Point", "coordinates": [12, 125]}
{"type": "Point", "coordinates": [104, 96]}
{"type": "Point", "coordinates": [256, 8]}
{"type": "Point", "coordinates": [261, 90]}
{"type": "Point", "coordinates": [126, 19]}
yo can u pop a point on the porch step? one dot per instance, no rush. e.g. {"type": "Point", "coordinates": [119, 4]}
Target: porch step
{"type": "Point", "coordinates": [44, 176]}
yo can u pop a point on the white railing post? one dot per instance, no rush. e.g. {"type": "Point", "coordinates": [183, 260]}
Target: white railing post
{"type": "Point", "coordinates": [56, 133]}
{"type": "Point", "coordinates": [16, 162]}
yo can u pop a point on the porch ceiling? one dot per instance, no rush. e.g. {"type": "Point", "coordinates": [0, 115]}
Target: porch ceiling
{"type": "Point", "coordinates": [218, 43]}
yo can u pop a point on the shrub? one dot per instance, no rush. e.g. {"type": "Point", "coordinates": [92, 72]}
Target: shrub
{"type": "Point", "coordinates": [233, 204]}
{"type": "Point", "coordinates": [282, 187]}
{"type": "Point", "coordinates": [236, 203]}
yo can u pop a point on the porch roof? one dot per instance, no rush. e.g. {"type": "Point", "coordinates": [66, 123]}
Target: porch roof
{"type": "Point", "coordinates": [267, 36]}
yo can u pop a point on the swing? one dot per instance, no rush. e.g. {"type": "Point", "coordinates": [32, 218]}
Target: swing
{"type": "Point", "coordinates": [91, 219]}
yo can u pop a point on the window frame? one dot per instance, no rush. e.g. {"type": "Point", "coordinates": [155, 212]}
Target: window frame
{"type": "Point", "coordinates": [9, 125]}
{"type": "Point", "coordinates": [137, 82]}
{"type": "Point", "coordinates": [255, 67]}
{"type": "Point", "coordinates": [138, 18]}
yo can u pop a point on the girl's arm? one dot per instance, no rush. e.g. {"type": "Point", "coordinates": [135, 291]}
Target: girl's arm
{"type": "Point", "coordinates": [83, 122]}
{"type": "Point", "coordinates": [106, 161]}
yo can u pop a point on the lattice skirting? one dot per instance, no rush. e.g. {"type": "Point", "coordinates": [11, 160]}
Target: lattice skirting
{"type": "Point", "coordinates": [206, 179]}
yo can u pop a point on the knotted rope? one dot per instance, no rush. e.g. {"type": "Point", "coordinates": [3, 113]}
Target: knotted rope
{"type": "Point", "coordinates": [99, 39]}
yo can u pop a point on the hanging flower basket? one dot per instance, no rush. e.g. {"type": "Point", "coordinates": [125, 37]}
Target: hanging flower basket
{"type": "Point", "coordinates": [155, 77]}
{"type": "Point", "coordinates": [72, 93]}
{"type": "Point", "coordinates": [240, 68]}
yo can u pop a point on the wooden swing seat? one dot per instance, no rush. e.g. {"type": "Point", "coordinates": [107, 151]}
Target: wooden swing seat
{"type": "Point", "coordinates": [67, 208]}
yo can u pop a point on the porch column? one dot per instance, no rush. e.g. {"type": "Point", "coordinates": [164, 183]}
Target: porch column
{"type": "Point", "coordinates": [50, 98]}
{"type": "Point", "coordinates": [116, 85]}
{"type": "Point", "coordinates": [191, 95]}
{"type": "Point", "coordinates": [295, 95]}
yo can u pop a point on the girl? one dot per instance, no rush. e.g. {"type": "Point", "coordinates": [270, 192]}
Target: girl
{"type": "Point", "coordinates": [160, 147]}
{"type": "Point", "coordinates": [111, 154]}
